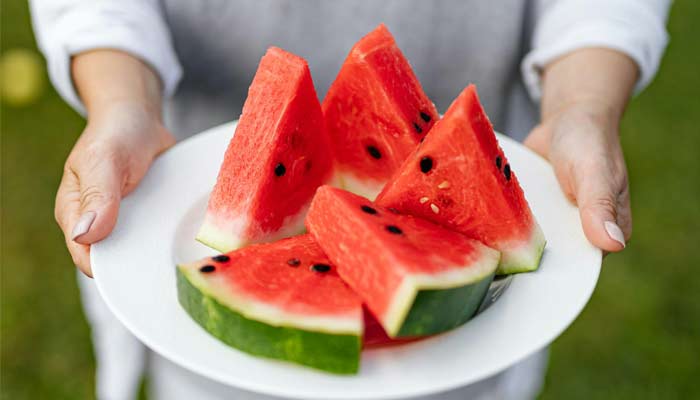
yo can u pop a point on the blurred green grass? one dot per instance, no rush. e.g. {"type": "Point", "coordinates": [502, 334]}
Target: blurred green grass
{"type": "Point", "coordinates": [638, 338]}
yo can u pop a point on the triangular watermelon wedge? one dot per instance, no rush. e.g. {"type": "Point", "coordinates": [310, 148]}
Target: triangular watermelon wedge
{"type": "Point", "coordinates": [281, 300]}
{"type": "Point", "coordinates": [279, 155]}
{"type": "Point", "coordinates": [376, 112]}
{"type": "Point", "coordinates": [460, 178]}
{"type": "Point", "coordinates": [416, 277]}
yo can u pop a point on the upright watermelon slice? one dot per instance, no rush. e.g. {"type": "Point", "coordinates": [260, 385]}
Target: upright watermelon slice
{"type": "Point", "coordinates": [460, 178]}
{"type": "Point", "coordinates": [281, 300]}
{"type": "Point", "coordinates": [376, 112]}
{"type": "Point", "coordinates": [416, 277]}
{"type": "Point", "coordinates": [277, 158]}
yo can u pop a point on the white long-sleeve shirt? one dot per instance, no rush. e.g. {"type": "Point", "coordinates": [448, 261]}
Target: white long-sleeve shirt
{"type": "Point", "coordinates": [206, 51]}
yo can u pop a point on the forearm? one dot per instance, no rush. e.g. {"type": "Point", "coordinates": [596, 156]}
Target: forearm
{"type": "Point", "coordinates": [602, 79]}
{"type": "Point", "coordinates": [109, 79]}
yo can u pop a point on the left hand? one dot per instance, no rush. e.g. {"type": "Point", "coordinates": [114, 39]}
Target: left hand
{"type": "Point", "coordinates": [581, 142]}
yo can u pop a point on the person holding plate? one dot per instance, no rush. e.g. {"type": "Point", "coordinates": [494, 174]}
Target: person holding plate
{"type": "Point", "coordinates": [146, 73]}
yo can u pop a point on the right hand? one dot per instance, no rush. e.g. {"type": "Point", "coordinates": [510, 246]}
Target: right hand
{"type": "Point", "coordinates": [109, 159]}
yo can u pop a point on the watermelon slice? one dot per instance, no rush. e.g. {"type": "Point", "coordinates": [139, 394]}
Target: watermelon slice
{"type": "Point", "coordinates": [278, 157]}
{"type": "Point", "coordinates": [281, 300]}
{"type": "Point", "coordinates": [376, 112]}
{"type": "Point", "coordinates": [460, 178]}
{"type": "Point", "coordinates": [416, 277]}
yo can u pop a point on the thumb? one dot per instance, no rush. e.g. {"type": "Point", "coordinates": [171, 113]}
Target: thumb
{"type": "Point", "coordinates": [538, 140]}
{"type": "Point", "coordinates": [598, 198]}
{"type": "Point", "coordinates": [100, 193]}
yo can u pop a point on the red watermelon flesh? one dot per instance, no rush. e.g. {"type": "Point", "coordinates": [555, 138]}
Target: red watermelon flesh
{"type": "Point", "coordinates": [279, 155]}
{"type": "Point", "coordinates": [416, 277]}
{"type": "Point", "coordinates": [460, 178]}
{"type": "Point", "coordinates": [376, 112]}
{"type": "Point", "coordinates": [280, 300]}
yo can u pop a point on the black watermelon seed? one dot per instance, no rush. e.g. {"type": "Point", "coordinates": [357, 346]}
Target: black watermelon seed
{"type": "Point", "coordinates": [321, 267]}
{"type": "Point", "coordinates": [425, 116]}
{"type": "Point", "coordinates": [368, 210]}
{"type": "Point", "coordinates": [506, 171]}
{"type": "Point", "coordinates": [393, 210]}
{"type": "Point", "coordinates": [280, 169]}
{"type": "Point", "coordinates": [417, 127]}
{"type": "Point", "coordinates": [394, 229]}
{"type": "Point", "coordinates": [426, 164]}
{"type": "Point", "coordinates": [207, 269]}
{"type": "Point", "coordinates": [374, 152]}
{"type": "Point", "coordinates": [498, 162]}
{"type": "Point", "coordinates": [293, 262]}
{"type": "Point", "coordinates": [221, 258]}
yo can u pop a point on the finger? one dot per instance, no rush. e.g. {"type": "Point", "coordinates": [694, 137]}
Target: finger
{"type": "Point", "coordinates": [597, 196]}
{"type": "Point", "coordinates": [80, 254]}
{"type": "Point", "coordinates": [624, 212]}
{"type": "Point", "coordinates": [67, 212]}
{"type": "Point", "coordinates": [100, 193]}
{"type": "Point", "coordinates": [538, 141]}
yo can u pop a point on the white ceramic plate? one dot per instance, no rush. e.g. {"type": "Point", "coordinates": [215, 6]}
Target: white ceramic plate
{"type": "Point", "coordinates": [135, 273]}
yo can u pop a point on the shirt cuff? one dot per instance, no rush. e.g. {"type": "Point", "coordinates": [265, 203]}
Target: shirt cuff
{"type": "Point", "coordinates": [628, 26]}
{"type": "Point", "coordinates": [133, 28]}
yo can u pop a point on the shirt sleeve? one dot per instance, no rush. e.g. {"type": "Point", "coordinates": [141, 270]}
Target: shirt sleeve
{"type": "Point", "coordinates": [64, 28]}
{"type": "Point", "coordinates": [633, 27]}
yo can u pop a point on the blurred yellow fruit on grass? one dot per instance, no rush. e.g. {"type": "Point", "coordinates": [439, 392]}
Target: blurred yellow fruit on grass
{"type": "Point", "coordinates": [21, 77]}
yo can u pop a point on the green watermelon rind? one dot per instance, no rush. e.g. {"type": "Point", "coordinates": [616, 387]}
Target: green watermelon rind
{"type": "Point", "coordinates": [338, 353]}
{"type": "Point", "coordinates": [426, 305]}
{"type": "Point", "coordinates": [435, 311]}
{"type": "Point", "coordinates": [525, 258]}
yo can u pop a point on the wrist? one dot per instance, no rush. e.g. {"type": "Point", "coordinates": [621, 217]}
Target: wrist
{"type": "Point", "coordinates": [591, 110]}
{"type": "Point", "coordinates": [129, 126]}
{"type": "Point", "coordinates": [124, 112]}
{"type": "Point", "coordinates": [109, 80]}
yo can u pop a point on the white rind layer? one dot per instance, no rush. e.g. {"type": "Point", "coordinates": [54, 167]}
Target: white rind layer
{"type": "Point", "coordinates": [523, 257]}
{"type": "Point", "coordinates": [366, 188]}
{"type": "Point", "coordinates": [222, 237]}
{"type": "Point", "coordinates": [459, 275]}
{"type": "Point", "coordinates": [218, 288]}
{"type": "Point", "coordinates": [227, 235]}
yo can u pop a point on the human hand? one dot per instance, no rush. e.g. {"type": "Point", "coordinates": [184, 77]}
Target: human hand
{"type": "Point", "coordinates": [581, 142]}
{"type": "Point", "coordinates": [107, 162]}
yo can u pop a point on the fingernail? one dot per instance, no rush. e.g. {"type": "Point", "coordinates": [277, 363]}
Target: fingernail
{"type": "Point", "coordinates": [615, 232]}
{"type": "Point", "coordinates": [83, 225]}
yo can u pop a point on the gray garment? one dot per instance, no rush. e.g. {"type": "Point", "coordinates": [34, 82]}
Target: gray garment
{"type": "Point", "coordinates": [449, 43]}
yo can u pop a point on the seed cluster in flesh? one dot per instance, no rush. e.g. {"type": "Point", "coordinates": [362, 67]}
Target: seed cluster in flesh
{"type": "Point", "coordinates": [292, 262]}
{"type": "Point", "coordinates": [416, 124]}
{"type": "Point", "coordinates": [375, 153]}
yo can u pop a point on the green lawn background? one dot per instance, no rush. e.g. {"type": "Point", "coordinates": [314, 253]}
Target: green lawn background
{"type": "Point", "coordinates": [638, 338]}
